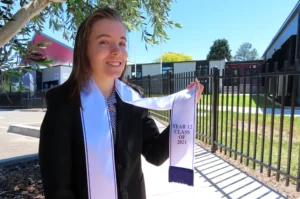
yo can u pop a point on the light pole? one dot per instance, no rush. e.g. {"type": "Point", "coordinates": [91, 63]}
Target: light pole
{"type": "Point", "coordinates": [135, 55]}
{"type": "Point", "coordinates": [161, 54]}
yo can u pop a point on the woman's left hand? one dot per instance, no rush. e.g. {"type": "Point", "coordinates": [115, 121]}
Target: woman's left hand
{"type": "Point", "coordinates": [199, 88]}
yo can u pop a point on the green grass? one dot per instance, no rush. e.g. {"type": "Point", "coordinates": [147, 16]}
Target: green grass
{"type": "Point", "coordinates": [237, 100]}
{"type": "Point", "coordinates": [161, 115]}
{"type": "Point", "coordinates": [260, 117]}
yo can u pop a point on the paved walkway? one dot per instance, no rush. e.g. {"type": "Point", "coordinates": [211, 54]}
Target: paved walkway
{"type": "Point", "coordinates": [12, 145]}
{"type": "Point", "coordinates": [214, 178]}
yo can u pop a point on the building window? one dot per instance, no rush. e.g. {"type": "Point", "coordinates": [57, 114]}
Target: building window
{"type": "Point", "coordinates": [203, 70]}
{"type": "Point", "coordinates": [138, 74]}
{"type": "Point", "coordinates": [167, 68]}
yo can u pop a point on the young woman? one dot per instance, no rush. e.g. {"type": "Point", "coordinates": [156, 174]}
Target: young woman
{"type": "Point", "coordinates": [74, 159]}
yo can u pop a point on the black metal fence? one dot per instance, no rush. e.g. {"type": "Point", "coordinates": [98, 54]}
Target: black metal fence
{"type": "Point", "coordinates": [22, 100]}
{"type": "Point", "coordinates": [256, 120]}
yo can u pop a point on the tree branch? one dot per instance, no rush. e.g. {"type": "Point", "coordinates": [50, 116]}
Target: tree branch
{"type": "Point", "coordinates": [11, 28]}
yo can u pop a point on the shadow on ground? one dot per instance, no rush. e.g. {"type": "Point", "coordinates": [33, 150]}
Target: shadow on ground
{"type": "Point", "coordinates": [229, 180]}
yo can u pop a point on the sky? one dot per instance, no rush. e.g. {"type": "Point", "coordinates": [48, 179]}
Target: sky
{"type": "Point", "coordinates": [203, 21]}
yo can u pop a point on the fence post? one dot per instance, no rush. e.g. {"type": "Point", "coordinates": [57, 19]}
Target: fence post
{"type": "Point", "coordinates": [170, 82]}
{"type": "Point", "coordinates": [149, 86]}
{"type": "Point", "coordinates": [214, 107]}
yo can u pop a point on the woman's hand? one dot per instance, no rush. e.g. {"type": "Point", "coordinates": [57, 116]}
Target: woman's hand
{"type": "Point", "coordinates": [199, 88]}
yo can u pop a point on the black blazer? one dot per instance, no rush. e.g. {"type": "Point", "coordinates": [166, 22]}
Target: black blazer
{"type": "Point", "coordinates": [62, 154]}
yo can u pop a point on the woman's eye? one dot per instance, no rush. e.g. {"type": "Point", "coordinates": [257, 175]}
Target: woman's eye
{"type": "Point", "coordinates": [103, 42]}
{"type": "Point", "coordinates": [122, 44]}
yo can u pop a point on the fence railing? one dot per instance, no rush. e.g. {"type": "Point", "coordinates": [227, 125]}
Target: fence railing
{"type": "Point", "coordinates": [254, 119]}
{"type": "Point", "coordinates": [22, 100]}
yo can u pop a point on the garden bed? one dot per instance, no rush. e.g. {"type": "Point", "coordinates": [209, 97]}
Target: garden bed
{"type": "Point", "coordinates": [21, 180]}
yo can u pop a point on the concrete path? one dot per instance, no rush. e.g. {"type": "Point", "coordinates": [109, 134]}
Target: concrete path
{"type": "Point", "coordinates": [13, 145]}
{"type": "Point", "coordinates": [214, 178]}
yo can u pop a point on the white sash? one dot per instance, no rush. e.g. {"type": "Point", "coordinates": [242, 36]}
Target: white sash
{"type": "Point", "coordinates": [98, 137]}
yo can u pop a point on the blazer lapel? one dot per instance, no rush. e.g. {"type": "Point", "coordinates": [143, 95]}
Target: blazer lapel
{"type": "Point", "coordinates": [122, 123]}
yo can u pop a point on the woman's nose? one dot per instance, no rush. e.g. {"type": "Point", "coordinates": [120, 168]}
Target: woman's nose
{"type": "Point", "coordinates": [115, 50]}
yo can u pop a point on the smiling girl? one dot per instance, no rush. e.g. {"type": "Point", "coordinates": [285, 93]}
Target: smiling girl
{"type": "Point", "coordinates": [71, 136]}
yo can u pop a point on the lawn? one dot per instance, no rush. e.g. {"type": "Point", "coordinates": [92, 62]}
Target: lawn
{"type": "Point", "coordinates": [237, 100]}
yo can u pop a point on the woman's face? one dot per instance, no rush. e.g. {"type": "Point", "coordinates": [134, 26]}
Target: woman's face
{"type": "Point", "coordinates": [107, 48]}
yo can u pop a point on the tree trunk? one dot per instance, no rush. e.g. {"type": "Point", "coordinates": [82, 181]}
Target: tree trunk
{"type": "Point", "coordinates": [11, 28]}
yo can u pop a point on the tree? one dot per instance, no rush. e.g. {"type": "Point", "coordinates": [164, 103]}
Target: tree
{"type": "Point", "coordinates": [246, 53]}
{"type": "Point", "coordinates": [174, 57]}
{"type": "Point", "coordinates": [219, 50]}
{"type": "Point", "coordinates": [151, 18]}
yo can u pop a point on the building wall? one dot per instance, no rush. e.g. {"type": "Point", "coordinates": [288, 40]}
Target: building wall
{"type": "Point", "coordinates": [180, 84]}
{"type": "Point", "coordinates": [220, 64]}
{"type": "Point", "coordinates": [184, 67]}
{"type": "Point", "coordinates": [156, 86]}
{"type": "Point", "coordinates": [179, 67]}
{"type": "Point", "coordinates": [290, 29]}
{"type": "Point", "coordinates": [151, 69]}
{"type": "Point", "coordinates": [51, 74]}
{"type": "Point", "coordinates": [58, 73]}
{"type": "Point", "coordinates": [128, 71]}
{"type": "Point", "coordinates": [65, 72]}
{"type": "Point", "coordinates": [29, 80]}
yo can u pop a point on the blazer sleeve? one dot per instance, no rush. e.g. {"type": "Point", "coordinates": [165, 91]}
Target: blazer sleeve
{"type": "Point", "coordinates": [55, 153]}
{"type": "Point", "coordinates": [155, 144]}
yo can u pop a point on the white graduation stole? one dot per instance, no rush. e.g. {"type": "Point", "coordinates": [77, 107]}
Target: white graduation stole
{"type": "Point", "coordinates": [98, 136]}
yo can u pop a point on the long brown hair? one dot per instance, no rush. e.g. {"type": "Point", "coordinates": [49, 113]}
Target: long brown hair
{"type": "Point", "coordinates": [81, 65]}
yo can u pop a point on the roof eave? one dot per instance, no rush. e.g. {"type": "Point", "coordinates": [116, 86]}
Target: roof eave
{"type": "Point", "coordinates": [288, 19]}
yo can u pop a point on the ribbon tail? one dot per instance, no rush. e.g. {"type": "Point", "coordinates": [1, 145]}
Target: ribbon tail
{"type": "Point", "coordinates": [181, 175]}
{"type": "Point", "coordinates": [182, 138]}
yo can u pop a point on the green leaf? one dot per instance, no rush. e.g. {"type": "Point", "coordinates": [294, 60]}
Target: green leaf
{"type": "Point", "coordinates": [5, 17]}
{"type": "Point", "coordinates": [61, 7]}
{"type": "Point", "coordinates": [5, 8]}
{"type": "Point", "coordinates": [50, 23]}
{"type": "Point", "coordinates": [22, 88]}
{"type": "Point", "coordinates": [42, 19]}
{"type": "Point", "coordinates": [8, 2]}
{"type": "Point", "coordinates": [148, 34]}
{"type": "Point", "coordinates": [128, 26]}
{"type": "Point", "coordinates": [178, 25]}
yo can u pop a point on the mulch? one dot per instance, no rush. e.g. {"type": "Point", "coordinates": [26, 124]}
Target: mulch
{"type": "Point", "coordinates": [22, 180]}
